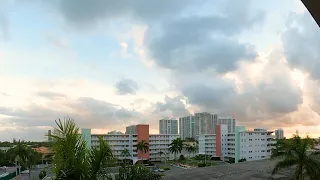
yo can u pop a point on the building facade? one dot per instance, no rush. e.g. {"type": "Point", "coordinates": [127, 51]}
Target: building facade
{"type": "Point", "coordinates": [131, 129]}
{"type": "Point", "coordinates": [279, 133]}
{"type": "Point", "coordinates": [214, 144]}
{"type": "Point", "coordinates": [158, 143]}
{"type": "Point", "coordinates": [187, 127]}
{"type": "Point", "coordinates": [203, 123]}
{"type": "Point", "coordinates": [159, 146]}
{"type": "Point", "coordinates": [250, 145]}
{"type": "Point", "coordinates": [229, 121]}
{"type": "Point", "coordinates": [168, 126]}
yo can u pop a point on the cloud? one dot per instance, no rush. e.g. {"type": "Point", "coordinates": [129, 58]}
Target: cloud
{"type": "Point", "coordinates": [50, 95]}
{"type": "Point", "coordinates": [126, 86]}
{"type": "Point", "coordinates": [268, 95]}
{"type": "Point", "coordinates": [82, 13]}
{"type": "Point", "coordinates": [171, 107]}
{"type": "Point", "coordinates": [301, 43]}
{"type": "Point", "coordinates": [87, 112]}
{"type": "Point", "coordinates": [4, 20]}
{"type": "Point", "coordinates": [197, 43]}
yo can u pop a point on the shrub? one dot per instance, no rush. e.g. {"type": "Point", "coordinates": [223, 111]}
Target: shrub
{"type": "Point", "coordinates": [182, 158]}
{"type": "Point", "coordinates": [199, 157]}
{"type": "Point", "coordinates": [201, 165]}
{"type": "Point", "coordinates": [215, 158]}
{"type": "Point", "coordinates": [42, 174]}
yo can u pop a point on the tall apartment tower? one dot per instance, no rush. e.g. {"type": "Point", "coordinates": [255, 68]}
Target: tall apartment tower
{"type": "Point", "coordinates": [205, 123]}
{"type": "Point", "coordinates": [131, 129]}
{"type": "Point", "coordinates": [168, 126]}
{"type": "Point", "coordinates": [279, 133]}
{"type": "Point", "coordinates": [229, 121]}
{"type": "Point", "coordinates": [187, 127]}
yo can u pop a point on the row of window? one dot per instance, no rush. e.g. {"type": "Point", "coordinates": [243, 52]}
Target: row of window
{"type": "Point", "coordinates": [257, 157]}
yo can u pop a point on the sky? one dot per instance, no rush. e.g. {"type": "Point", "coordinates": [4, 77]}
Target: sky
{"type": "Point", "coordinates": [109, 64]}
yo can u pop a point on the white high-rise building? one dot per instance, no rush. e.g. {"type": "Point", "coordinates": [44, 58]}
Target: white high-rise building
{"type": "Point", "coordinates": [187, 127]}
{"type": "Point", "coordinates": [131, 129]}
{"type": "Point", "coordinates": [279, 133]}
{"type": "Point", "coordinates": [168, 126]}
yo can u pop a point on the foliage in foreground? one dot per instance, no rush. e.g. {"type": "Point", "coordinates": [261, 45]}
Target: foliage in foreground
{"type": "Point", "coordinates": [42, 174]}
{"type": "Point", "coordinates": [72, 159]}
{"type": "Point", "coordinates": [296, 153]}
{"type": "Point", "coordinates": [136, 172]}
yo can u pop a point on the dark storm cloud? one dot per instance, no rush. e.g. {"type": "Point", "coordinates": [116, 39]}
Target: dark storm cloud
{"type": "Point", "coordinates": [172, 107]}
{"type": "Point", "coordinates": [126, 86]}
{"type": "Point", "coordinates": [301, 43]}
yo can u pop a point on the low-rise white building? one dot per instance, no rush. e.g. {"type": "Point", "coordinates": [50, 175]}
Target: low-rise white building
{"type": "Point", "coordinates": [215, 145]}
{"type": "Point", "coordinates": [118, 142]}
{"type": "Point", "coordinates": [243, 144]}
{"type": "Point", "coordinates": [250, 145]}
{"type": "Point", "coordinates": [161, 143]}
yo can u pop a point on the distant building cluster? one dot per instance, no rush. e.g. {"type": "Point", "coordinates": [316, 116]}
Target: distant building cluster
{"type": "Point", "coordinates": [215, 136]}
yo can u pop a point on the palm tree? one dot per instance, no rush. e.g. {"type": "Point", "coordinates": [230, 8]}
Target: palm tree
{"type": "Point", "coordinates": [125, 153]}
{"type": "Point", "coordinates": [32, 158]}
{"type": "Point", "coordinates": [279, 148]}
{"type": "Point", "coordinates": [296, 154]}
{"type": "Point", "coordinates": [143, 146]}
{"type": "Point", "coordinates": [72, 160]}
{"type": "Point", "coordinates": [18, 154]}
{"type": "Point", "coordinates": [190, 149]}
{"type": "Point", "coordinates": [176, 147]}
{"type": "Point", "coordinates": [160, 154]}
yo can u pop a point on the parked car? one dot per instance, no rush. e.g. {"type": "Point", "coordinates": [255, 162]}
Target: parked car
{"type": "Point", "coordinates": [25, 172]}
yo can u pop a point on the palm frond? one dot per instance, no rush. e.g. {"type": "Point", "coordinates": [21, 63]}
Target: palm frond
{"type": "Point", "coordinates": [283, 164]}
{"type": "Point", "coordinates": [100, 159]}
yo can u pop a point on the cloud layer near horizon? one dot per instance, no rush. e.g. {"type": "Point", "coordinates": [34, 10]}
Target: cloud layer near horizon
{"type": "Point", "coordinates": [109, 64]}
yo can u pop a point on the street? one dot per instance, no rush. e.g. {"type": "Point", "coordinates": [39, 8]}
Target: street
{"type": "Point", "coordinates": [34, 173]}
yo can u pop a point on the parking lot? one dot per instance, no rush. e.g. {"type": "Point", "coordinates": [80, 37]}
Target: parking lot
{"type": "Point", "coordinates": [257, 170]}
